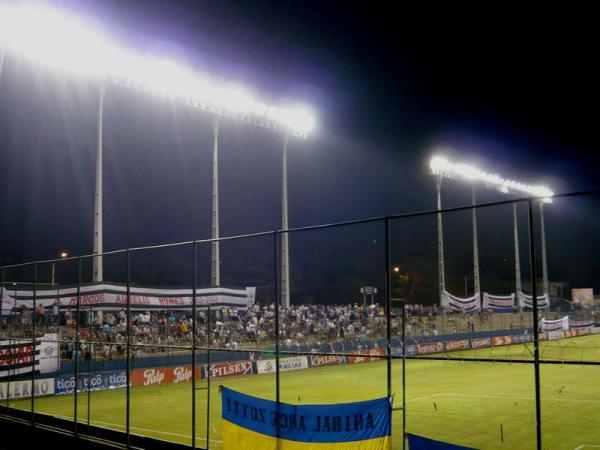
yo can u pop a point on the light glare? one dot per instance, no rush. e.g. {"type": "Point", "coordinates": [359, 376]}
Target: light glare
{"type": "Point", "coordinates": [60, 41]}
{"type": "Point", "coordinates": [441, 166]}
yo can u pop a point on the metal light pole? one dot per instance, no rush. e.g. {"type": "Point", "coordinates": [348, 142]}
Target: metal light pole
{"type": "Point", "coordinates": [98, 266]}
{"type": "Point", "coordinates": [285, 261]}
{"type": "Point", "coordinates": [544, 261]}
{"type": "Point", "coordinates": [215, 275]}
{"type": "Point", "coordinates": [476, 283]}
{"type": "Point", "coordinates": [517, 257]}
{"type": "Point", "coordinates": [441, 273]}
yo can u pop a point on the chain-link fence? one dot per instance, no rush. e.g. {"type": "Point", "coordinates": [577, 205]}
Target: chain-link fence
{"type": "Point", "coordinates": [471, 331]}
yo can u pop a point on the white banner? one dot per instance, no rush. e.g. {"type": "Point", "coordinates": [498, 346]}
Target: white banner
{"type": "Point", "coordinates": [16, 355]}
{"type": "Point", "coordinates": [554, 335]}
{"type": "Point", "coordinates": [458, 304]}
{"type": "Point", "coordinates": [109, 296]}
{"type": "Point", "coordinates": [498, 302]}
{"type": "Point", "coordinates": [555, 325]}
{"type": "Point", "coordinates": [294, 363]}
{"type": "Point", "coordinates": [22, 388]}
{"type": "Point", "coordinates": [526, 301]}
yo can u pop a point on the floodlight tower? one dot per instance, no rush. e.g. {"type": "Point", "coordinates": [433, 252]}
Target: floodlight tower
{"type": "Point", "coordinates": [60, 41]}
{"type": "Point", "coordinates": [441, 167]}
{"type": "Point", "coordinates": [476, 284]}
{"type": "Point", "coordinates": [98, 262]}
{"type": "Point", "coordinates": [440, 236]}
{"type": "Point", "coordinates": [215, 272]}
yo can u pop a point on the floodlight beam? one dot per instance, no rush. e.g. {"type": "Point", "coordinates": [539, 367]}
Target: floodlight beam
{"type": "Point", "coordinates": [58, 40]}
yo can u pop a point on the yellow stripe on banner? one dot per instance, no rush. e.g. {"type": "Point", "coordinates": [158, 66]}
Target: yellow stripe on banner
{"type": "Point", "coordinates": [239, 438]}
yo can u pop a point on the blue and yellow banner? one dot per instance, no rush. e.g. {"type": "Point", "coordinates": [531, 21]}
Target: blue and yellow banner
{"type": "Point", "coordinates": [255, 423]}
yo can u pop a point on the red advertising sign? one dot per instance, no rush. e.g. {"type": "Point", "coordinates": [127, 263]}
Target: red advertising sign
{"type": "Point", "coordinates": [326, 360]}
{"type": "Point", "coordinates": [163, 375]}
{"type": "Point", "coordinates": [480, 342]}
{"type": "Point", "coordinates": [430, 347]}
{"type": "Point", "coordinates": [230, 369]}
{"type": "Point", "coordinates": [373, 355]}
{"type": "Point", "coordinates": [457, 345]}
{"type": "Point", "coordinates": [502, 340]}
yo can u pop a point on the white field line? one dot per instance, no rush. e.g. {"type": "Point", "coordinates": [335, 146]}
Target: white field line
{"type": "Point", "coordinates": [586, 446]}
{"type": "Point", "coordinates": [515, 397]}
{"type": "Point", "coordinates": [141, 429]}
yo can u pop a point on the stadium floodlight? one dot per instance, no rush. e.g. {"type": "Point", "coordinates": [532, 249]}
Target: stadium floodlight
{"type": "Point", "coordinates": [62, 41]}
{"type": "Point", "coordinates": [443, 168]}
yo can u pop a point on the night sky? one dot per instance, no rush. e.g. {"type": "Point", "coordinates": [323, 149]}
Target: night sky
{"type": "Point", "coordinates": [514, 91]}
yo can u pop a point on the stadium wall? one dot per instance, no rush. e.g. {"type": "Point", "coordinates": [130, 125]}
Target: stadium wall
{"type": "Point", "coordinates": [181, 371]}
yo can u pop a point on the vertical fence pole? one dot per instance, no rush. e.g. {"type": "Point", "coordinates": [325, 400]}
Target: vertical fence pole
{"type": "Point", "coordinates": [128, 333]}
{"type": "Point", "coordinates": [403, 374]}
{"type": "Point", "coordinates": [277, 294]}
{"type": "Point", "coordinates": [388, 310]}
{"type": "Point", "coordinates": [12, 341]}
{"type": "Point", "coordinates": [208, 378]}
{"type": "Point", "coordinates": [76, 350]}
{"type": "Point", "coordinates": [8, 324]}
{"type": "Point", "coordinates": [33, 340]}
{"type": "Point", "coordinates": [536, 342]}
{"type": "Point", "coordinates": [194, 317]}
{"type": "Point", "coordinates": [89, 374]}
{"type": "Point", "coordinates": [2, 302]}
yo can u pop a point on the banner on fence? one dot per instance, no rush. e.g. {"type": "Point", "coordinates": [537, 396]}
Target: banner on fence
{"type": "Point", "coordinates": [457, 344]}
{"type": "Point", "coordinates": [458, 304]}
{"type": "Point", "coordinates": [584, 323]}
{"type": "Point", "coordinates": [163, 375]}
{"type": "Point", "coordinates": [110, 296]}
{"type": "Point", "coordinates": [526, 301]}
{"type": "Point", "coordinates": [498, 302]}
{"type": "Point", "coordinates": [22, 388]}
{"type": "Point", "coordinates": [230, 369]}
{"type": "Point", "coordinates": [430, 347]}
{"type": "Point", "coordinates": [293, 363]}
{"type": "Point", "coordinates": [115, 380]}
{"type": "Point", "coordinates": [481, 342]}
{"type": "Point", "coordinates": [554, 325]}
{"type": "Point", "coordinates": [374, 354]}
{"type": "Point", "coordinates": [17, 355]}
{"type": "Point", "coordinates": [251, 423]}
{"type": "Point", "coordinates": [502, 340]}
{"type": "Point", "coordinates": [326, 360]}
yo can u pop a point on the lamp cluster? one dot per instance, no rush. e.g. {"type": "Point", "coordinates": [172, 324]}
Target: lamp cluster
{"type": "Point", "coordinates": [441, 166]}
{"type": "Point", "coordinates": [58, 40]}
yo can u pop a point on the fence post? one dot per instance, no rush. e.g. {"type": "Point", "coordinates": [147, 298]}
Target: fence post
{"type": "Point", "coordinates": [403, 374]}
{"type": "Point", "coordinates": [33, 340]}
{"type": "Point", "coordinates": [388, 314]}
{"type": "Point", "coordinates": [208, 377]}
{"type": "Point", "coordinates": [128, 333]}
{"type": "Point", "coordinates": [194, 268]}
{"type": "Point", "coordinates": [277, 295]}
{"type": "Point", "coordinates": [77, 344]}
{"type": "Point", "coordinates": [536, 342]}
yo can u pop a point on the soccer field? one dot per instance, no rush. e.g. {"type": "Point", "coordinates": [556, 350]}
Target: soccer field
{"type": "Point", "coordinates": [477, 404]}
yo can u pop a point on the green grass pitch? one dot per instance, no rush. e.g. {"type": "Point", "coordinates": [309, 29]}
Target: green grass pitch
{"type": "Point", "coordinates": [487, 405]}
